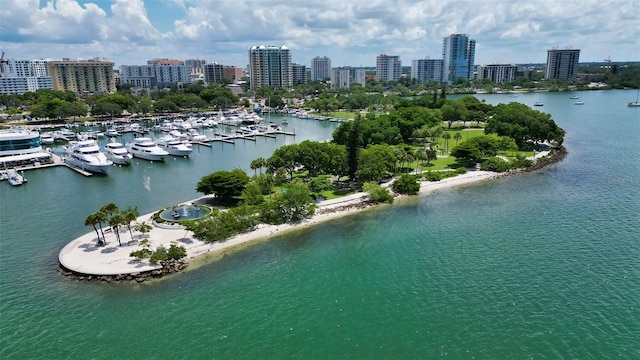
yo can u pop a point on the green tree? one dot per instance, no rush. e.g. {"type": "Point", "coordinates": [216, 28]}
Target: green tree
{"type": "Point", "coordinates": [252, 194]}
{"type": "Point", "coordinates": [353, 146]}
{"type": "Point", "coordinates": [224, 184]}
{"type": "Point", "coordinates": [457, 136]}
{"type": "Point", "coordinates": [286, 157]}
{"type": "Point", "coordinates": [129, 215]}
{"type": "Point", "coordinates": [258, 163]}
{"type": "Point", "coordinates": [406, 184]}
{"type": "Point", "coordinates": [375, 163]}
{"type": "Point", "coordinates": [115, 221]}
{"type": "Point", "coordinates": [453, 111]}
{"type": "Point", "coordinates": [467, 154]}
{"type": "Point", "coordinates": [93, 220]}
{"type": "Point", "coordinates": [377, 193]}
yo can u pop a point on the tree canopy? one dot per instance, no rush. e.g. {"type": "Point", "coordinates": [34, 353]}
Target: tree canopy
{"type": "Point", "coordinates": [224, 184]}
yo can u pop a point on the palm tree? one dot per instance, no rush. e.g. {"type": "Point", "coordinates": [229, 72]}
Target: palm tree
{"type": "Point", "coordinates": [109, 209]}
{"type": "Point", "coordinates": [457, 137]}
{"type": "Point", "coordinates": [115, 221]}
{"type": "Point", "coordinates": [100, 218]}
{"type": "Point", "coordinates": [92, 220]}
{"type": "Point", "coordinates": [446, 136]}
{"type": "Point", "coordinates": [130, 215]}
{"type": "Point", "coordinates": [420, 155]}
{"type": "Point", "coordinates": [258, 163]}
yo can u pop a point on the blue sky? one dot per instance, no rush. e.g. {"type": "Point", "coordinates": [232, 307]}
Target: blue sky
{"type": "Point", "coordinates": [130, 32]}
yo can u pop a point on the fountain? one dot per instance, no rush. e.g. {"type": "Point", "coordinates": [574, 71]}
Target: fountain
{"type": "Point", "coordinates": [184, 212]}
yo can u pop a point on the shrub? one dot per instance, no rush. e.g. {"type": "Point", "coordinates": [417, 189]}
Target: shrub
{"type": "Point", "coordinates": [433, 176]}
{"type": "Point", "coordinates": [495, 164]}
{"type": "Point", "coordinates": [461, 170]}
{"type": "Point", "coordinates": [377, 193]}
{"type": "Point", "coordinates": [406, 184]}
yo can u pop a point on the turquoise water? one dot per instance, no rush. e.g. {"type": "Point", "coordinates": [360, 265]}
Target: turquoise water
{"type": "Point", "coordinates": [541, 265]}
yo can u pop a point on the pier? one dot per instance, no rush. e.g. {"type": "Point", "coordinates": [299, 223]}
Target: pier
{"type": "Point", "coordinates": [231, 138]}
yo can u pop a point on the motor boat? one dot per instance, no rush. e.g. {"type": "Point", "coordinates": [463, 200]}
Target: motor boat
{"type": "Point", "coordinates": [145, 148]}
{"type": "Point", "coordinates": [193, 135]}
{"type": "Point", "coordinates": [112, 131]}
{"type": "Point", "coordinates": [86, 155]}
{"type": "Point", "coordinates": [46, 139]}
{"type": "Point", "coordinates": [14, 178]}
{"type": "Point", "coordinates": [173, 146]}
{"type": "Point", "coordinates": [249, 130]}
{"type": "Point", "coordinates": [117, 153]}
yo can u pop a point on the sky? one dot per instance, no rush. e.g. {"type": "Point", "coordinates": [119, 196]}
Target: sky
{"type": "Point", "coordinates": [350, 33]}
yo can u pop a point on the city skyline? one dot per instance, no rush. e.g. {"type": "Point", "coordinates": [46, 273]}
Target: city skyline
{"type": "Point", "coordinates": [349, 33]}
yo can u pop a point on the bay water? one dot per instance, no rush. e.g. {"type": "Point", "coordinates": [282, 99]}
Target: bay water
{"type": "Point", "coordinates": [532, 266]}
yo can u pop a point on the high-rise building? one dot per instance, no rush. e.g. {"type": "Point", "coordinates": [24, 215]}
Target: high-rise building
{"type": "Point", "coordinates": [140, 76]}
{"type": "Point", "coordinates": [196, 66]}
{"type": "Point", "coordinates": [458, 55]}
{"type": "Point", "coordinates": [21, 76]}
{"type": "Point", "coordinates": [497, 73]}
{"type": "Point", "coordinates": [170, 71]}
{"type": "Point", "coordinates": [388, 67]}
{"type": "Point", "coordinates": [320, 68]}
{"type": "Point", "coordinates": [270, 66]}
{"type": "Point", "coordinates": [346, 76]}
{"type": "Point", "coordinates": [298, 73]}
{"type": "Point", "coordinates": [86, 77]}
{"type": "Point", "coordinates": [562, 64]}
{"type": "Point", "coordinates": [426, 70]}
{"type": "Point", "coordinates": [213, 73]}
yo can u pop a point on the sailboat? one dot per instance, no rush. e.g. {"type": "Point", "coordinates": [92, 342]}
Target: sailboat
{"type": "Point", "coordinates": [574, 96]}
{"type": "Point", "coordinates": [578, 102]}
{"type": "Point", "coordinates": [539, 102]}
{"type": "Point", "coordinates": [635, 103]}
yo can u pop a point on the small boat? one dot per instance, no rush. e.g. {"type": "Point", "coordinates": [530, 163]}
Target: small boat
{"type": "Point", "coordinates": [14, 178]}
{"type": "Point", "coordinates": [145, 148]}
{"type": "Point", "coordinates": [578, 102]}
{"type": "Point", "coordinates": [249, 130]}
{"type": "Point", "coordinates": [112, 131]}
{"type": "Point", "coordinates": [539, 102]}
{"type": "Point", "coordinates": [86, 155]}
{"type": "Point", "coordinates": [117, 153]}
{"type": "Point", "coordinates": [574, 96]}
{"type": "Point", "coordinates": [635, 103]}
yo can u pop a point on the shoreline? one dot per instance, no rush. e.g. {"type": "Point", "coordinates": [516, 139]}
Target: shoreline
{"type": "Point", "coordinates": [83, 259]}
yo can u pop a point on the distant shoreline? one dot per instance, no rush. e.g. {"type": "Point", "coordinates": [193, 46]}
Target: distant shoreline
{"type": "Point", "coordinates": [84, 260]}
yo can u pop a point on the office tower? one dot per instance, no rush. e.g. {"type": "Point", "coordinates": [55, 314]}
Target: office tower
{"type": "Point", "coordinates": [458, 55]}
{"type": "Point", "coordinates": [426, 70]}
{"type": "Point", "coordinates": [320, 68]}
{"type": "Point", "coordinates": [270, 66]}
{"type": "Point", "coordinates": [83, 77]}
{"type": "Point", "coordinates": [562, 64]}
{"type": "Point", "coordinates": [298, 73]}
{"type": "Point", "coordinates": [388, 67]}
{"type": "Point", "coordinates": [213, 73]}
{"type": "Point", "coordinates": [346, 76]}
{"type": "Point", "coordinates": [21, 76]}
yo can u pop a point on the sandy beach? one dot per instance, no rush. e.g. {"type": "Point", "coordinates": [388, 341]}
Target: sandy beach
{"type": "Point", "coordinates": [83, 255]}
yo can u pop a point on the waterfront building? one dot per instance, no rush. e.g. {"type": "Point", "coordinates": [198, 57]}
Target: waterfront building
{"type": "Point", "coordinates": [426, 70]}
{"type": "Point", "coordinates": [83, 77]}
{"type": "Point", "coordinates": [213, 73]}
{"type": "Point", "coordinates": [344, 77]}
{"type": "Point", "coordinates": [320, 68]}
{"type": "Point", "coordinates": [232, 73]}
{"type": "Point", "coordinates": [196, 66]}
{"type": "Point", "coordinates": [388, 67]}
{"type": "Point", "coordinates": [497, 73]}
{"type": "Point", "coordinates": [270, 66]}
{"type": "Point", "coordinates": [458, 55]}
{"type": "Point", "coordinates": [298, 73]}
{"type": "Point", "coordinates": [562, 64]}
{"type": "Point", "coordinates": [20, 147]}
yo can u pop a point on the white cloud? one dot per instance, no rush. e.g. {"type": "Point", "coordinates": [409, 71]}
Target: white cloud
{"type": "Point", "coordinates": [350, 32]}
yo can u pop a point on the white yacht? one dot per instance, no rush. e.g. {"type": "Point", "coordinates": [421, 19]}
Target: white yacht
{"type": "Point", "coordinates": [117, 153]}
{"type": "Point", "coordinates": [15, 178]}
{"type": "Point", "coordinates": [112, 131]}
{"type": "Point", "coordinates": [145, 148]}
{"type": "Point", "coordinates": [249, 130]}
{"type": "Point", "coordinates": [193, 135]}
{"type": "Point", "coordinates": [173, 146]}
{"type": "Point", "coordinates": [86, 155]}
{"type": "Point", "coordinates": [46, 139]}
{"type": "Point", "coordinates": [181, 124]}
